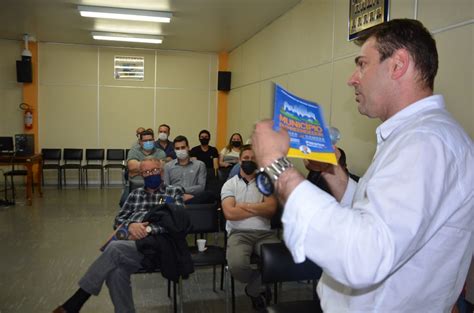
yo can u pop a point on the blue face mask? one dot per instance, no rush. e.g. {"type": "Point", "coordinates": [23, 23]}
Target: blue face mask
{"type": "Point", "coordinates": [153, 181]}
{"type": "Point", "coordinates": [148, 145]}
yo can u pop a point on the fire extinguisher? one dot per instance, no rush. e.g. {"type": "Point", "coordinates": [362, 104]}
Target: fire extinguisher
{"type": "Point", "coordinates": [27, 116]}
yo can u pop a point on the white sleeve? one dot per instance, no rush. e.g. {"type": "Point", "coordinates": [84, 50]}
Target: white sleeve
{"type": "Point", "coordinates": [361, 244]}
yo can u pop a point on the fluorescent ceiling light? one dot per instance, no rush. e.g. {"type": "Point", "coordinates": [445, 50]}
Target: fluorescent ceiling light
{"type": "Point", "coordinates": [127, 37]}
{"type": "Point", "coordinates": [125, 14]}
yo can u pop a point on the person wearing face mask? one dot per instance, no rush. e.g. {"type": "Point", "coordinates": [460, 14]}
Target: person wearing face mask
{"type": "Point", "coordinates": [145, 148]}
{"type": "Point", "coordinates": [248, 215]}
{"type": "Point", "coordinates": [121, 258]}
{"type": "Point", "coordinates": [187, 173]}
{"type": "Point", "coordinates": [163, 142]}
{"type": "Point", "coordinates": [206, 153]}
{"type": "Point", "coordinates": [229, 156]}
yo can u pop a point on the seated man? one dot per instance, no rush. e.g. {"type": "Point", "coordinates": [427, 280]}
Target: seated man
{"type": "Point", "coordinates": [146, 148]}
{"type": "Point", "coordinates": [248, 215]}
{"type": "Point", "coordinates": [121, 258]}
{"type": "Point", "coordinates": [187, 173]}
{"type": "Point", "coordinates": [138, 131]}
{"type": "Point", "coordinates": [163, 142]}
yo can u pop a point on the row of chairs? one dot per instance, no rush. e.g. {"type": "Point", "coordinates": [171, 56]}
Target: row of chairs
{"type": "Point", "coordinates": [73, 160]}
{"type": "Point", "coordinates": [275, 262]}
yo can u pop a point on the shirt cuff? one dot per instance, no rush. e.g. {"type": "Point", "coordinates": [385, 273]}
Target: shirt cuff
{"type": "Point", "coordinates": [296, 220]}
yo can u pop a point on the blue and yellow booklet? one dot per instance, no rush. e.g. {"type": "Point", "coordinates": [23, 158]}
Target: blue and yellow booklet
{"type": "Point", "coordinates": [303, 119]}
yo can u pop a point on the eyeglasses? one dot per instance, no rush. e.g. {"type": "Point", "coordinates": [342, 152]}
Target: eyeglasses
{"type": "Point", "coordinates": [152, 172]}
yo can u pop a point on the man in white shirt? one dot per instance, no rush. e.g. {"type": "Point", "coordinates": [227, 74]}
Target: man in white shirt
{"type": "Point", "coordinates": [248, 215]}
{"type": "Point", "coordinates": [401, 239]}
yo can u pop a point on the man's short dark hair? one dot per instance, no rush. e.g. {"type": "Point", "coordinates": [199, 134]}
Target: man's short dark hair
{"type": "Point", "coordinates": [146, 133]}
{"type": "Point", "coordinates": [244, 148]}
{"type": "Point", "coordinates": [410, 35]}
{"type": "Point", "coordinates": [204, 131]}
{"type": "Point", "coordinates": [179, 139]}
{"type": "Point", "coordinates": [165, 125]}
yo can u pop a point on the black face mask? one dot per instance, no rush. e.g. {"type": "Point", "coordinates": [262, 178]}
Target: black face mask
{"type": "Point", "coordinates": [249, 167]}
{"type": "Point", "coordinates": [204, 141]}
{"type": "Point", "coordinates": [236, 144]}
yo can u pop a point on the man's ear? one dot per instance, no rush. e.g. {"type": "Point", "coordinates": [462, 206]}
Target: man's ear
{"type": "Point", "coordinates": [400, 63]}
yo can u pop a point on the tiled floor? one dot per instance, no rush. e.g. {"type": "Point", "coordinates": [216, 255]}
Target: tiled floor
{"type": "Point", "coordinates": [45, 249]}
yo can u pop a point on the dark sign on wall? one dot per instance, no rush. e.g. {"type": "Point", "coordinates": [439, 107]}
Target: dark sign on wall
{"type": "Point", "coordinates": [364, 14]}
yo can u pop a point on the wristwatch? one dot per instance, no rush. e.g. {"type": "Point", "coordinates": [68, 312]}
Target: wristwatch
{"type": "Point", "coordinates": [267, 176]}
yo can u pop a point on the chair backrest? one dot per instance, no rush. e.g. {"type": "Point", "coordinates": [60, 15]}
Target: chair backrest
{"type": "Point", "coordinates": [73, 155]}
{"type": "Point", "coordinates": [95, 154]}
{"type": "Point", "coordinates": [204, 218]}
{"type": "Point", "coordinates": [277, 265]}
{"type": "Point", "coordinates": [115, 155]}
{"type": "Point", "coordinates": [51, 155]}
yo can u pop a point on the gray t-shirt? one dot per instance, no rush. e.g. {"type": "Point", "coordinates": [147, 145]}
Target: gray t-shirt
{"type": "Point", "coordinates": [137, 153]}
{"type": "Point", "coordinates": [192, 176]}
{"type": "Point", "coordinates": [244, 192]}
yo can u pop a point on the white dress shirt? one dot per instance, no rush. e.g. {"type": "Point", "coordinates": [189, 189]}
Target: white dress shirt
{"type": "Point", "coordinates": [401, 240]}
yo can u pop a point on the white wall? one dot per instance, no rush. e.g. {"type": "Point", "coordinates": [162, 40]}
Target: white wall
{"type": "Point", "coordinates": [307, 52]}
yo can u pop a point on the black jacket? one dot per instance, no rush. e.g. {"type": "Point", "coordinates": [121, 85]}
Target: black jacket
{"type": "Point", "coordinates": [168, 251]}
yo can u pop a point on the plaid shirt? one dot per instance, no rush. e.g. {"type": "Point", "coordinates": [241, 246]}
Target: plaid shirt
{"type": "Point", "coordinates": [140, 201]}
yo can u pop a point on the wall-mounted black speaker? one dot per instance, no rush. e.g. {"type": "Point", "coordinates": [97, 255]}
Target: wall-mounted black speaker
{"type": "Point", "coordinates": [24, 144]}
{"type": "Point", "coordinates": [24, 72]}
{"type": "Point", "coordinates": [223, 81]}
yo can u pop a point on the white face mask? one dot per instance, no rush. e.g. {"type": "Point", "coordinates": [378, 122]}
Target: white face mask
{"type": "Point", "coordinates": [181, 154]}
{"type": "Point", "coordinates": [162, 136]}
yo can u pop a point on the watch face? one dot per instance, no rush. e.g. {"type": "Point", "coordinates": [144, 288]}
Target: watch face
{"type": "Point", "coordinates": [264, 184]}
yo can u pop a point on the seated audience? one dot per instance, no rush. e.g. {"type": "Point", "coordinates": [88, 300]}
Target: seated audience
{"type": "Point", "coordinates": [187, 173]}
{"type": "Point", "coordinates": [248, 215]}
{"type": "Point", "coordinates": [229, 156]}
{"type": "Point", "coordinates": [136, 154]}
{"type": "Point", "coordinates": [121, 258]}
{"type": "Point", "coordinates": [164, 143]}
{"type": "Point", "coordinates": [206, 153]}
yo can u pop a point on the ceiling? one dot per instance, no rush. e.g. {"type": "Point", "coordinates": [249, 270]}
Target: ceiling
{"type": "Point", "coordinates": [197, 25]}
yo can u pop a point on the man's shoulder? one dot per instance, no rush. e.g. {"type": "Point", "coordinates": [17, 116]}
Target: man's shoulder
{"type": "Point", "coordinates": [135, 152]}
{"type": "Point", "coordinates": [136, 192]}
{"type": "Point", "coordinates": [232, 183]}
{"type": "Point", "coordinates": [171, 164]}
{"type": "Point", "coordinates": [199, 163]}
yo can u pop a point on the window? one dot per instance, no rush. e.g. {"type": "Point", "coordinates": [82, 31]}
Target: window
{"type": "Point", "coordinates": [129, 68]}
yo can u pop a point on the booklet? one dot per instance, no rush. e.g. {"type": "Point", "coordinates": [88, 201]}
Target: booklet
{"type": "Point", "coordinates": [303, 119]}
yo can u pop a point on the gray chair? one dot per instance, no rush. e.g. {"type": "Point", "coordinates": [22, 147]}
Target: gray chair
{"type": "Point", "coordinates": [277, 266]}
{"type": "Point", "coordinates": [51, 161]}
{"type": "Point", "coordinates": [12, 173]}
{"type": "Point", "coordinates": [72, 161]}
{"type": "Point", "coordinates": [115, 160]}
{"type": "Point", "coordinates": [94, 161]}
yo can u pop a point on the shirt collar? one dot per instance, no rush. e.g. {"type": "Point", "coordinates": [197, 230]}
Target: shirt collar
{"type": "Point", "coordinates": [176, 162]}
{"type": "Point", "coordinates": [413, 110]}
{"type": "Point", "coordinates": [245, 179]}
